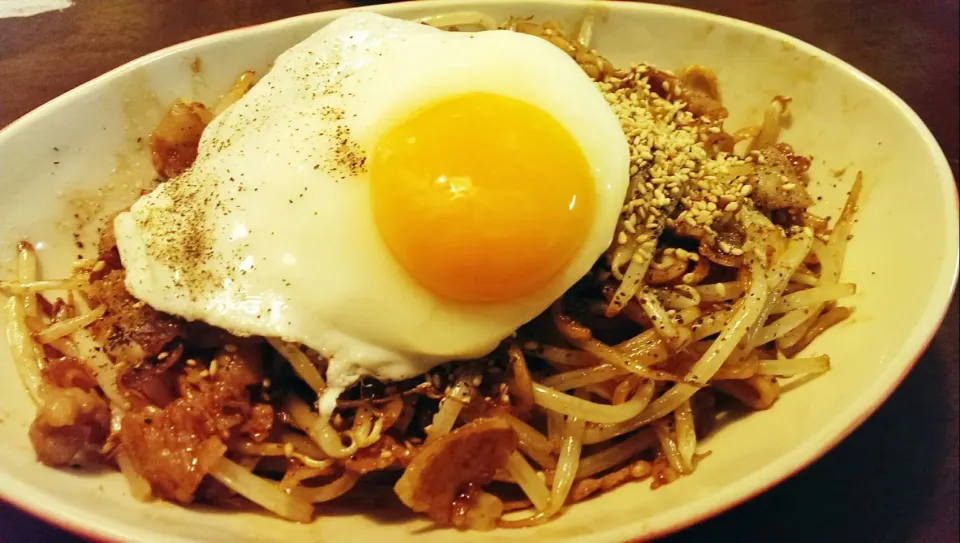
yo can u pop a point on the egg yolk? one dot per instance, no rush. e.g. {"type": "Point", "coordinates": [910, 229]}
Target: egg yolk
{"type": "Point", "coordinates": [481, 197]}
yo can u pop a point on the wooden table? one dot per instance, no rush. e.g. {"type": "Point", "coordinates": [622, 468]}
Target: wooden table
{"type": "Point", "coordinates": [894, 479]}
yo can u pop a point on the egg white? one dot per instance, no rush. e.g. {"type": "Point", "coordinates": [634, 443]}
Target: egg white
{"type": "Point", "coordinates": [290, 246]}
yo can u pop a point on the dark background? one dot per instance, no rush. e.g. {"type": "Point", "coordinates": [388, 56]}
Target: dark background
{"type": "Point", "coordinates": [894, 479]}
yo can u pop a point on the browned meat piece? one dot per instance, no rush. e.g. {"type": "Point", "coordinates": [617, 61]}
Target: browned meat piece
{"type": "Point", "coordinates": [259, 424]}
{"type": "Point", "coordinates": [702, 105]}
{"type": "Point", "coordinates": [174, 141]}
{"type": "Point", "coordinates": [69, 422]}
{"type": "Point", "coordinates": [585, 488]}
{"type": "Point", "coordinates": [474, 509]}
{"type": "Point", "coordinates": [132, 330]}
{"type": "Point", "coordinates": [68, 372]}
{"type": "Point", "coordinates": [800, 163]}
{"type": "Point", "coordinates": [384, 454]}
{"type": "Point", "coordinates": [662, 473]}
{"type": "Point", "coordinates": [174, 447]}
{"type": "Point", "coordinates": [699, 102]}
{"type": "Point", "coordinates": [146, 384]}
{"type": "Point", "coordinates": [151, 382]}
{"type": "Point", "coordinates": [201, 335]}
{"type": "Point", "coordinates": [107, 251]}
{"type": "Point", "coordinates": [446, 468]}
{"type": "Point", "coordinates": [778, 184]}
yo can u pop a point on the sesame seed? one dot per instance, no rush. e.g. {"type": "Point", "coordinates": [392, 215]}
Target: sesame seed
{"type": "Point", "coordinates": [230, 348]}
{"type": "Point", "coordinates": [163, 355]}
{"type": "Point", "coordinates": [746, 190]}
{"type": "Point", "coordinates": [99, 266]}
{"type": "Point", "coordinates": [732, 206]}
{"type": "Point", "coordinates": [674, 174]}
{"type": "Point", "coordinates": [214, 366]}
{"type": "Point", "coordinates": [288, 449]}
{"type": "Point", "coordinates": [789, 186]}
{"type": "Point", "coordinates": [191, 362]}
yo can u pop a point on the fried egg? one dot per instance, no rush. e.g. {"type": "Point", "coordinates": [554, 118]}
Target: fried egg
{"type": "Point", "coordinates": [391, 195]}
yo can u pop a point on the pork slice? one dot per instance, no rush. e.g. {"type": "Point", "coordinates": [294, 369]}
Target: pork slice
{"type": "Point", "coordinates": [175, 140]}
{"type": "Point", "coordinates": [778, 183]}
{"type": "Point", "coordinates": [443, 470]}
{"type": "Point", "coordinates": [175, 447]}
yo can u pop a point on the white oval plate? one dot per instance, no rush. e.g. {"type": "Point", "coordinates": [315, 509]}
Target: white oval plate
{"type": "Point", "coordinates": [80, 155]}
